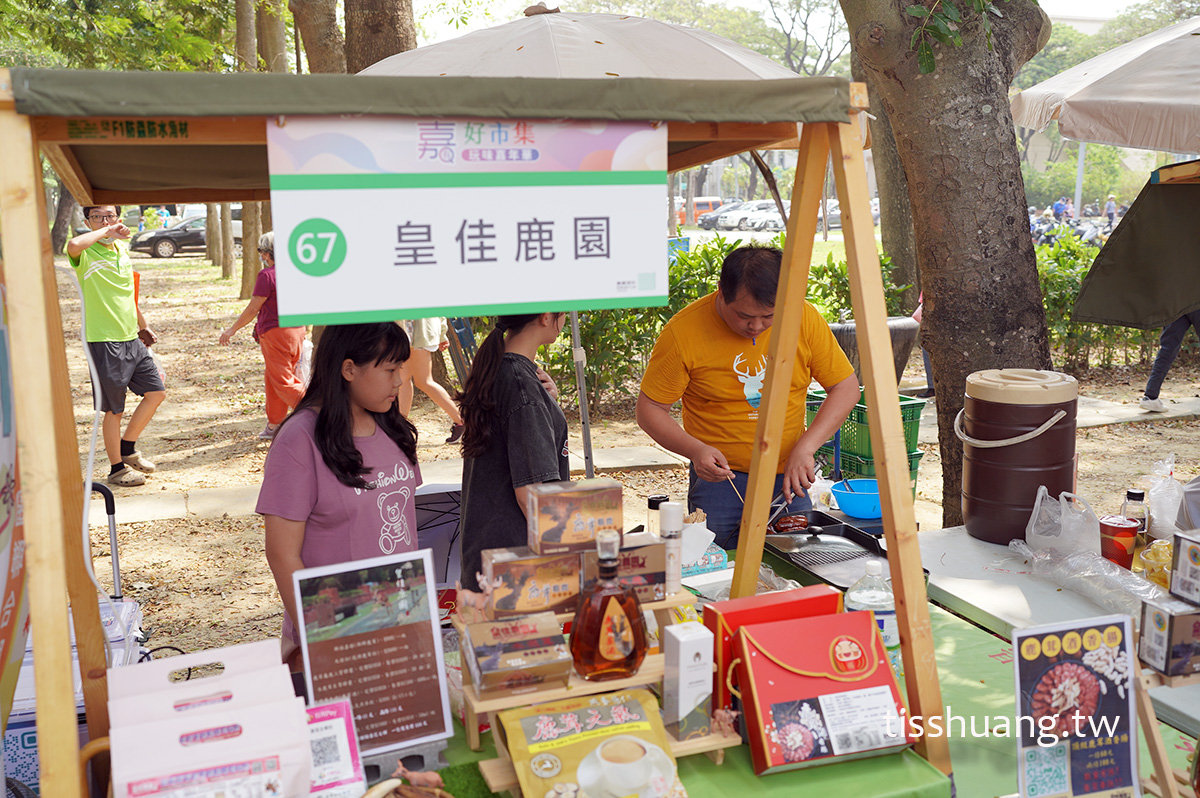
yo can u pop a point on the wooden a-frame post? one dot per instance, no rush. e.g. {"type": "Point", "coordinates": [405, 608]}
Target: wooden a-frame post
{"type": "Point", "coordinates": [817, 142]}
{"type": "Point", "coordinates": [48, 457]}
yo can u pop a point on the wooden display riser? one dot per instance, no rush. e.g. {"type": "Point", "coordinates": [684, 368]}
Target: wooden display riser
{"type": "Point", "coordinates": [681, 599]}
{"type": "Point", "coordinates": [475, 706]}
{"type": "Point", "coordinates": [500, 775]}
{"type": "Point", "coordinates": [1164, 782]}
{"type": "Point", "coordinates": [1150, 785]}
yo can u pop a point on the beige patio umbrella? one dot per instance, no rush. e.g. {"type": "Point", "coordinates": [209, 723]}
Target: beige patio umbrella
{"type": "Point", "coordinates": [1144, 94]}
{"type": "Point", "coordinates": [579, 45]}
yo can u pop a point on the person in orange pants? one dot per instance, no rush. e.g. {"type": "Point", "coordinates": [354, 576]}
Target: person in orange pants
{"type": "Point", "coordinates": [281, 346]}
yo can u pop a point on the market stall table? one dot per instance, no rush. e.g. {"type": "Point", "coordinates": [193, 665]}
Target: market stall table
{"type": "Point", "coordinates": [976, 664]}
{"type": "Point", "coordinates": [990, 586]}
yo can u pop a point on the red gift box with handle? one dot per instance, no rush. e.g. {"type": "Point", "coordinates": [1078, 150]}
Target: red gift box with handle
{"type": "Point", "coordinates": [724, 618]}
{"type": "Point", "coordinates": [817, 690]}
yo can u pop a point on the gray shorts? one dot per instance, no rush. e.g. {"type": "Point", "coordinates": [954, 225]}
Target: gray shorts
{"type": "Point", "coordinates": [122, 365]}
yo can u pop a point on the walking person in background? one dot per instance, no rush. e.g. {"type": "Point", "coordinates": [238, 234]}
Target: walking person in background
{"type": "Point", "coordinates": [118, 338]}
{"type": "Point", "coordinates": [281, 346]}
{"type": "Point", "coordinates": [429, 336]}
{"type": "Point", "coordinates": [1069, 209]}
{"type": "Point", "coordinates": [1058, 208]}
{"type": "Point", "coordinates": [1110, 210]}
{"type": "Point", "coordinates": [1168, 348]}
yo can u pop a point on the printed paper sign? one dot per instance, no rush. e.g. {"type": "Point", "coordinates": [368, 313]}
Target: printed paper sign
{"type": "Point", "coordinates": [384, 218]}
{"type": "Point", "coordinates": [371, 634]}
{"type": "Point", "coordinates": [337, 770]}
{"type": "Point", "coordinates": [1077, 734]}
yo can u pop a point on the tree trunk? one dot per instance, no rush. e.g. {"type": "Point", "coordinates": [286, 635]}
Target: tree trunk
{"type": "Point", "coordinates": [376, 29]}
{"type": "Point", "coordinates": [272, 35]}
{"type": "Point", "coordinates": [954, 133]}
{"type": "Point", "coordinates": [689, 197]}
{"type": "Point", "coordinates": [213, 239]}
{"type": "Point", "coordinates": [63, 213]}
{"type": "Point", "coordinates": [441, 373]}
{"type": "Point", "coordinates": [226, 241]}
{"type": "Point", "coordinates": [895, 214]}
{"type": "Point", "coordinates": [244, 41]}
{"type": "Point", "coordinates": [324, 47]}
{"type": "Point", "coordinates": [251, 265]}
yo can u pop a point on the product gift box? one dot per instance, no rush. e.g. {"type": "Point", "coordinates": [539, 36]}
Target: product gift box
{"type": "Point", "coordinates": [817, 690]}
{"type": "Point", "coordinates": [523, 582]}
{"type": "Point", "coordinates": [565, 516]}
{"type": "Point", "coordinates": [724, 618]}
{"type": "Point", "coordinates": [517, 655]}
{"type": "Point", "coordinates": [603, 746]}
{"type": "Point", "coordinates": [1170, 641]}
{"type": "Point", "coordinates": [643, 566]}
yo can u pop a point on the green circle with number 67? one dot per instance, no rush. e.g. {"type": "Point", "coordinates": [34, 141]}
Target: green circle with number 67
{"type": "Point", "coordinates": [317, 247]}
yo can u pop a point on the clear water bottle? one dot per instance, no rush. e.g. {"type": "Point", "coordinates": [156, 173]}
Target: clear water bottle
{"type": "Point", "coordinates": [872, 592]}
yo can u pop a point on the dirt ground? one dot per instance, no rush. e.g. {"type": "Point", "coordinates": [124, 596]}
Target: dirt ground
{"type": "Point", "coordinates": [204, 583]}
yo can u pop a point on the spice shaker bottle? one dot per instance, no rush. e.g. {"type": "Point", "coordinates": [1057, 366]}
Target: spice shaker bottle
{"type": "Point", "coordinates": [672, 534]}
{"type": "Point", "coordinates": [653, 522]}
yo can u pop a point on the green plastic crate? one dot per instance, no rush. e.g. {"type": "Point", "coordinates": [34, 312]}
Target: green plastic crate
{"type": "Point", "coordinates": [856, 434]}
{"type": "Point", "coordinates": [854, 467]}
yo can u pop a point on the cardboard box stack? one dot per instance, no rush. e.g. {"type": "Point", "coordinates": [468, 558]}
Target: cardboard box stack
{"type": "Point", "coordinates": [124, 632]}
{"type": "Point", "coordinates": [1170, 627]}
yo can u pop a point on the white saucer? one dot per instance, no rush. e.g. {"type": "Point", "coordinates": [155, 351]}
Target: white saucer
{"type": "Point", "coordinates": [590, 775]}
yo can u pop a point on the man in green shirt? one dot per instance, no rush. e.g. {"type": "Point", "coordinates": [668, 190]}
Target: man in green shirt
{"type": "Point", "coordinates": [117, 338]}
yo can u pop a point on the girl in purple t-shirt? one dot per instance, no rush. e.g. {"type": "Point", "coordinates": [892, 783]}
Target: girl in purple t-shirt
{"type": "Point", "coordinates": [339, 481]}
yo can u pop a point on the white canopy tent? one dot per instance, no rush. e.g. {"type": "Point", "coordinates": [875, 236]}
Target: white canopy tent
{"type": "Point", "coordinates": [1144, 94]}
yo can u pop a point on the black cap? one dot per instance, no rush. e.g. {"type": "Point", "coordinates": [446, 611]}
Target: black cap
{"type": "Point", "coordinates": [653, 501]}
{"type": "Point", "coordinates": [1135, 495]}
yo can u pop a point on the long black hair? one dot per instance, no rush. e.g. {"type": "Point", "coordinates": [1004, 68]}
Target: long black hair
{"type": "Point", "coordinates": [477, 401]}
{"type": "Point", "coordinates": [329, 394]}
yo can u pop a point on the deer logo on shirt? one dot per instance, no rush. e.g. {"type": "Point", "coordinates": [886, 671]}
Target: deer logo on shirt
{"type": "Point", "coordinates": [752, 384]}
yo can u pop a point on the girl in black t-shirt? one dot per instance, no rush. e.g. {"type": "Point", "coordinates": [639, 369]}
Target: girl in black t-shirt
{"type": "Point", "coordinates": [515, 435]}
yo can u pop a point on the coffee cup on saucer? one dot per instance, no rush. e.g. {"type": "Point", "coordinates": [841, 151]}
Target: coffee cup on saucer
{"type": "Point", "coordinates": [627, 763]}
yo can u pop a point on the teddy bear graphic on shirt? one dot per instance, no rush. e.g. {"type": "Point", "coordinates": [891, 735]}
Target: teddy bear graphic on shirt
{"type": "Point", "coordinates": [395, 525]}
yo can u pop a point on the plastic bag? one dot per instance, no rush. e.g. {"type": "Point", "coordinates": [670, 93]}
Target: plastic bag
{"type": "Point", "coordinates": [768, 582]}
{"type": "Point", "coordinates": [1091, 576]}
{"type": "Point", "coordinates": [158, 364]}
{"type": "Point", "coordinates": [1164, 493]}
{"type": "Point", "coordinates": [1066, 524]}
{"type": "Point", "coordinates": [304, 367]}
{"type": "Point", "coordinates": [820, 493]}
{"type": "Point", "coordinates": [1189, 506]}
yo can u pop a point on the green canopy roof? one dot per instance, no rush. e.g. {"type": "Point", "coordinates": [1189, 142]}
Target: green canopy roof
{"type": "Point", "coordinates": [222, 154]}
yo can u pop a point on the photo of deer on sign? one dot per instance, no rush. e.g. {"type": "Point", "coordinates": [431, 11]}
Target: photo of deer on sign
{"type": "Point", "coordinates": [753, 383]}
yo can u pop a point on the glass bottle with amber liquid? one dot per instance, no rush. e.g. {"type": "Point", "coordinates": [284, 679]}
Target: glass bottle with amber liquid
{"type": "Point", "coordinates": [608, 635]}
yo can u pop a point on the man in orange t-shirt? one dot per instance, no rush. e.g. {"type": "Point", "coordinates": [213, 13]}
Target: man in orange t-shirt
{"type": "Point", "coordinates": [713, 356]}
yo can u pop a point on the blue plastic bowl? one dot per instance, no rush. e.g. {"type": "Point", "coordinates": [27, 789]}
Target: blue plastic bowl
{"type": "Point", "coordinates": [863, 502]}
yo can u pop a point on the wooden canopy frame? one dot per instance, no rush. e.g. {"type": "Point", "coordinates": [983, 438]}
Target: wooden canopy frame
{"type": "Point", "coordinates": [48, 447]}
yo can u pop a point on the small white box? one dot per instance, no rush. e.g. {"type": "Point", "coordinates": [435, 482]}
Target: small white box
{"type": "Point", "coordinates": [688, 676]}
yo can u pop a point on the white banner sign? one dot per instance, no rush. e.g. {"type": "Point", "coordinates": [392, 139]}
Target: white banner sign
{"type": "Point", "coordinates": [387, 218]}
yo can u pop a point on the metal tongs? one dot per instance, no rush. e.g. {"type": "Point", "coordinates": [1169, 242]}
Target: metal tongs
{"type": "Point", "coordinates": [776, 511]}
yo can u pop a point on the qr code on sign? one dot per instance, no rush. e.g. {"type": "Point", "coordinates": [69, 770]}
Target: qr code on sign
{"type": "Point", "coordinates": [1187, 586]}
{"type": "Point", "coordinates": [843, 740]}
{"type": "Point", "coordinates": [325, 751]}
{"type": "Point", "coordinates": [1046, 770]}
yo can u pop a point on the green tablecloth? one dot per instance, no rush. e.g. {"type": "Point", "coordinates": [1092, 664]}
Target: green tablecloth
{"type": "Point", "coordinates": [976, 674]}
